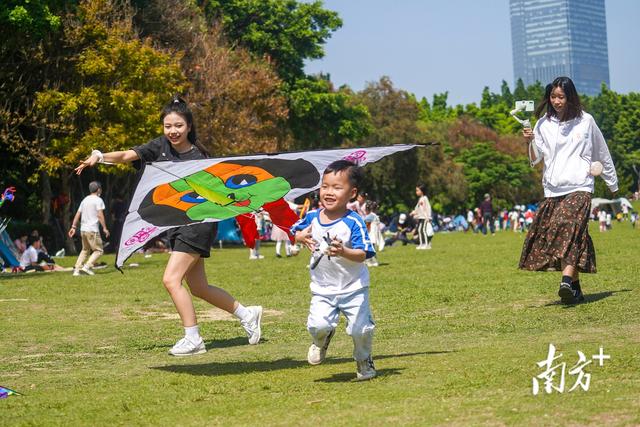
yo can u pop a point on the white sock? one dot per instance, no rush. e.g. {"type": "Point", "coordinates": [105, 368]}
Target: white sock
{"type": "Point", "coordinates": [242, 313]}
{"type": "Point", "coordinates": [193, 333]}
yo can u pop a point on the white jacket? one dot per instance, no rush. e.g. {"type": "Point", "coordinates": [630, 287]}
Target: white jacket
{"type": "Point", "coordinates": [568, 148]}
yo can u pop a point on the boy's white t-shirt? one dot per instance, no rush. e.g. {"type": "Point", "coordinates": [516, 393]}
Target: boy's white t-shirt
{"type": "Point", "coordinates": [88, 209]}
{"type": "Point", "coordinates": [28, 257]}
{"type": "Point", "coordinates": [338, 275]}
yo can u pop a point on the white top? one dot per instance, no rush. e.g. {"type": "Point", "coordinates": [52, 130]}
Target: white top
{"type": "Point", "coordinates": [423, 208]}
{"type": "Point", "coordinates": [338, 275]}
{"type": "Point", "coordinates": [28, 257]}
{"type": "Point", "coordinates": [88, 209]}
{"type": "Point", "coordinates": [568, 149]}
{"type": "Point", "coordinates": [602, 216]}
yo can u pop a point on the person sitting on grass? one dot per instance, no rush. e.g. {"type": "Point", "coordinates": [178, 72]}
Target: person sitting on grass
{"type": "Point", "coordinates": [339, 277]}
{"type": "Point", "coordinates": [32, 258]}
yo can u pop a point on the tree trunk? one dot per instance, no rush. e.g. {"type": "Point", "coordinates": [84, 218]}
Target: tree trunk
{"type": "Point", "coordinates": [69, 244]}
{"type": "Point", "coordinates": [46, 197]}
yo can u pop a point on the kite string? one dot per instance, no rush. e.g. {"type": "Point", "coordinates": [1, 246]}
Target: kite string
{"type": "Point", "coordinates": [244, 214]}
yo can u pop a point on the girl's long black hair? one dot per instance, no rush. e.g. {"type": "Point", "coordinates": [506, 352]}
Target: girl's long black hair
{"type": "Point", "coordinates": [573, 108]}
{"type": "Point", "coordinates": [179, 106]}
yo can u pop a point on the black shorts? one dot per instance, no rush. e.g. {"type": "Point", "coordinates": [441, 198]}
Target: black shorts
{"type": "Point", "coordinates": [192, 239]}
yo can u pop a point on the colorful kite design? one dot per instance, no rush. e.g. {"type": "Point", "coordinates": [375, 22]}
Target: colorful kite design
{"type": "Point", "coordinates": [6, 392]}
{"type": "Point", "coordinates": [7, 195]}
{"type": "Point", "coordinates": [174, 194]}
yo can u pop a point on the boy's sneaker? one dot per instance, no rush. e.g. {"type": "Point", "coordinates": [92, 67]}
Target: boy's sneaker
{"type": "Point", "coordinates": [185, 347]}
{"type": "Point", "coordinates": [87, 270]}
{"type": "Point", "coordinates": [252, 326]}
{"type": "Point", "coordinates": [366, 369]}
{"type": "Point", "coordinates": [566, 294]}
{"type": "Point", "coordinates": [76, 272]}
{"type": "Point", "coordinates": [316, 354]}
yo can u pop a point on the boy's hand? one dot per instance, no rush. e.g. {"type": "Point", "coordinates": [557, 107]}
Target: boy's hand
{"type": "Point", "coordinates": [336, 248]}
{"type": "Point", "coordinates": [304, 237]}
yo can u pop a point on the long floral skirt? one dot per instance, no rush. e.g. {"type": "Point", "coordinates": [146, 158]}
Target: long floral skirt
{"type": "Point", "coordinates": [559, 235]}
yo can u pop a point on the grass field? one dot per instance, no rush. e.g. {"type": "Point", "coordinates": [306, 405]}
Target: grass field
{"type": "Point", "coordinates": [459, 332]}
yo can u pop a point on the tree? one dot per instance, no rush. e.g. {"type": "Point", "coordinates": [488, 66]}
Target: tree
{"type": "Point", "coordinates": [238, 101]}
{"type": "Point", "coordinates": [287, 32]}
{"type": "Point", "coordinates": [392, 181]}
{"type": "Point", "coordinates": [322, 117]}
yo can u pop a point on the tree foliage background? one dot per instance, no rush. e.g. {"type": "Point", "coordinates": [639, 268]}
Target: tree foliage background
{"type": "Point", "coordinates": [78, 75]}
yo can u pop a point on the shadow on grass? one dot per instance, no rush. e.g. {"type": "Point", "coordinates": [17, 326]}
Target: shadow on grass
{"type": "Point", "coordinates": [209, 344]}
{"type": "Point", "coordinates": [347, 377]}
{"type": "Point", "coordinates": [588, 298]}
{"type": "Point", "coordinates": [236, 368]}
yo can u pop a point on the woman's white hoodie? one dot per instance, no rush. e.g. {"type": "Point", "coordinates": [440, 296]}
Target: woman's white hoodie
{"type": "Point", "coordinates": [568, 149]}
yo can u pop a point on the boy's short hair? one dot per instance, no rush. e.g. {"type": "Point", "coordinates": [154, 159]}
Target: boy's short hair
{"type": "Point", "coordinates": [354, 172]}
{"type": "Point", "coordinates": [33, 239]}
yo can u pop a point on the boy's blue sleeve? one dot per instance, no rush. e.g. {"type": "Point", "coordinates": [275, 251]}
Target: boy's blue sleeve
{"type": "Point", "coordinates": [302, 223]}
{"type": "Point", "coordinates": [360, 237]}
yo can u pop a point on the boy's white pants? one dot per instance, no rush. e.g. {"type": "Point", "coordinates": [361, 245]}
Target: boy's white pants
{"type": "Point", "coordinates": [324, 313]}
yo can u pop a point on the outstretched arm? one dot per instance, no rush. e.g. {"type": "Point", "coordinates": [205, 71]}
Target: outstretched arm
{"type": "Point", "coordinates": [112, 157]}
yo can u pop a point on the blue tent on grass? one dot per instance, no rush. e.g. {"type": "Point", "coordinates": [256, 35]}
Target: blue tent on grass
{"type": "Point", "coordinates": [228, 232]}
{"type": "Point", "coordinates": [8, 251]}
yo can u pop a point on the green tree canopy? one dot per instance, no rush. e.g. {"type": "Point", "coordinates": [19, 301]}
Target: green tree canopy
{"type": "Point", "coordinates": [287, 32]}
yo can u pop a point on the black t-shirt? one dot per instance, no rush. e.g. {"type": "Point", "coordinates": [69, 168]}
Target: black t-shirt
{"type": "Point", "coordinates": [160, 149]}
{"type": "Point", "coordinates": [199, 236]}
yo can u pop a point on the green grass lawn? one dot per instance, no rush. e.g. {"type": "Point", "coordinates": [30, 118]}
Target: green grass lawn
{"type": "Point", "coordinates": [459, 332]}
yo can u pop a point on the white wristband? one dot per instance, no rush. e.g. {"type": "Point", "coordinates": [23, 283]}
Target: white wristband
{"type": "Point", "coordinates": [99, 154]}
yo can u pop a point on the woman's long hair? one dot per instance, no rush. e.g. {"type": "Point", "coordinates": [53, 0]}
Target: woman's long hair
{"type": "Point", "coordinates": [179, 106]}
{"type": "Point", "coordinates": [573, 107]}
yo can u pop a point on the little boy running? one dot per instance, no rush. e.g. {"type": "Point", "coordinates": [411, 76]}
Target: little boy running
{"type": "Point", "coordinates": [338, 240]}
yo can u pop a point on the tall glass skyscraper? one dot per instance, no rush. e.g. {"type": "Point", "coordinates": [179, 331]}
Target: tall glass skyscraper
{"type": "Point", "coordinates": [553, 38]}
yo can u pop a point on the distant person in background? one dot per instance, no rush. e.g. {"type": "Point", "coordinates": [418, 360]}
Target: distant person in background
{"type": "Point", "coordinates": [42, 250]}
{"type": "Point", "coordinates": [32, 257]}
{"type": "Point", "coordinates": [625, 212]}
{"type": "Point", "coordinates": [602, 220]}
{"type": "Point", "coordinates": [470, 221]}
{"type": "Point", "coordinates": [21, 243]}
{"type": "Point", "coordinates": [422, 214]}
{"type": "Point", "coordinates": [486, 209]}
{"type": "Point", "coordinates": [359, 204]}
{"type": "Point", "coordinates": [568, 140]}
{"type": "Point", "coordinates": [402, 227]}
{"type": "Point", "coordinates": [90, 214]}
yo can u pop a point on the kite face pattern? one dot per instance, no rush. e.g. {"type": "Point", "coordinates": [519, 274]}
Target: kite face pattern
{"type": "Point", "coordinates": [225, 190]}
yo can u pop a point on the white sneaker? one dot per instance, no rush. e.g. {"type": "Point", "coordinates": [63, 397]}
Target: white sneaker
{"type": "Point", "coordinates": [366, 370]}
{"type": "Point", "coordinates": [87, 270]}
{"type": "Point", "coordinates": [184, 347]}
{"type": "Point", "coordinates": [252, 326]}
{"type": "Point", "coordinates": [256, 256]}
{"type": "Point", "coordinates": [316, 355]}
{"type": "Point", "coordinates": [76, 272]}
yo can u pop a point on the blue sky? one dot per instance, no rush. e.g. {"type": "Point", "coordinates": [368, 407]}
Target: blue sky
{"type": "Point", "coordinates": [431, 46]}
